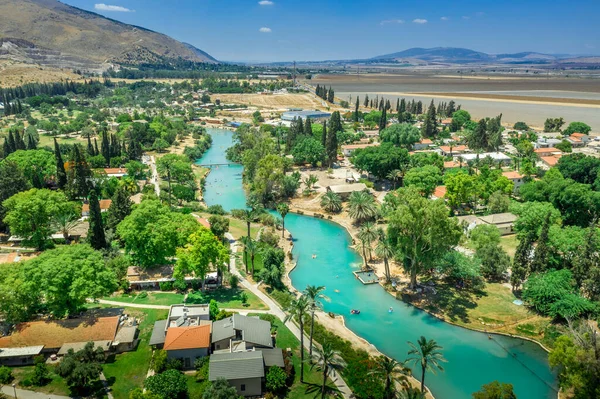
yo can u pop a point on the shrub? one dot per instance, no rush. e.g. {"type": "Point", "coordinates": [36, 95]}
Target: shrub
{"type": "Point", "coordinates": [40, 372]}
{"type": "Point", "coordinates": [169, 385]}
{"type": "Point", "coordinates": [216, 210]}
{"type": "Point", "coordinates": [195, 298]}
{"type": "Point", "coordinates": [159, 361]}
{"type": "Point", "coordinates": [166, 286]}
{"type": "Point", "coordinates": [244, 298]}
{"type": "Point", "coordinates": [143, 295]}
{"type": "Point", "coordinates": [275, 379]}
{"type": "Point", "coordinates": [213, 309]}
{"type": "Point", "coordinates": [223, 314]}
{"type": "Point", "coordinates": [180, 285]}
{"type": "Point", "coordinates": [234, 281]}
{"type": "Point", "coordinates": [6, 375]}
{"type": "Point", "coordinates": [269, 238]}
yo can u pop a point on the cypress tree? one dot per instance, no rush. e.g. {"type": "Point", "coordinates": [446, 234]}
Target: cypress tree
{"type": "Point", "coordinates": [96, 151]}
{"type": "Point", "coordinates": [420, 108]}
{"type": "Point", "coordinates": [541, 255]}
{"type": "Point", "coordinates": [5, 149]}
{"type": "Point", "coordinates": [383, 120]}
{"type": "Point", "coordinates": [356, 110]}
{"type": "Point", "coordinates": [324, 135]}
{"type": "Point", "coordinates": [430, 125]}
{"type": "Point", "coordinates": [12, 145]}
{"type": "Point", "coordinates": [61, 175]}
{"type": "Point", "coordinates": [90, 147]}
{"type": "Point", "coordinates": [31, 145]}
{"type": "Point", "coordinates": [398, 105]}
{"type": "Point", "coordinates": [330, 95]}
{"type": "Point", "coordinates": [308, 127]}
{"type": "Point", "coordinates": [96, 236]}
{"type": "Point", "coordinates": [120, 207]}
{"type": "Point", "coordinates": [79, 175]}
{"type": "Point", "coordinates": [19, 142]}
{"type": "Point", "coordinates": [521, 262]}
{"type": "Point", "coordinates": [366, 103]}
{"type": "Point", "coordinates": [332, 143]}
{"type": "Point", "coordinates": [105, 148]}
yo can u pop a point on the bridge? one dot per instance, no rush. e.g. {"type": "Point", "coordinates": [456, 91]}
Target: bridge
{"type": "Point", "coordinates": [210, 165]}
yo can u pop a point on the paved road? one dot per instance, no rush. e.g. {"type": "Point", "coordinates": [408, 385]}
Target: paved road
{"type": "Point", "coordinates": [24, 394]}
{"type": "Point", "coordinates": [280, 314]}
{"type": "Point", "coordinates": [166, 307]}
{"type": "Point", "coordinates": [154, 178]}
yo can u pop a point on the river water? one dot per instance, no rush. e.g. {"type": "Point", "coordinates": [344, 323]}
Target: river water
{"type": "Point", "coordinates": [473, 358]}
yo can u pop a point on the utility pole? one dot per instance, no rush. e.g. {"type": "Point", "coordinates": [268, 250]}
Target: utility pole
{"type": "Point", "coordinates": [294, 73]}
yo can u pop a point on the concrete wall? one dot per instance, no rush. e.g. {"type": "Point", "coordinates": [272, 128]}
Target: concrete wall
{"type": "Point", "coordinates": [222, 344]}
{"type": "Point", "coordinates": [187, 356]}
{"type": "Point", "coordinates": [252, 386]}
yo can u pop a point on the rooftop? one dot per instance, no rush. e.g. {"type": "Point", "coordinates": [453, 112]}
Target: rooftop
{"type": "Point", "coordinates": [253, 329]}
{"type": "Point", "coordinates": [104, 205]}
{"type": "Point", "coordinates": [115, 171]}
{"type": "Point", "coordinates": [272, 357]}
{"type": "Point", "coordinates": [512, 175]}
{"type": "Point", "coordinates": [358, 146]}
{"type": "Point", "coordinates": [158, 333]}
{"type": "Point", "coordinates": [347, 188]}
{"type": "Point", "coordinates": [551, 160]}
{"type": "Point", "coordinates": [544, 150]}
{"type": "Point", "coordinates": [496, 156]}
{"type": "Point", "coordinates": [499, 218]}
{"type": "Point", "coordinates": [187, 337]}
{"type": "Point", "coordinates": [237, 365]}
{"type": "Point", "coordinates": [54, 334]}
{"type": "Point", "coordinates": [24, 351]}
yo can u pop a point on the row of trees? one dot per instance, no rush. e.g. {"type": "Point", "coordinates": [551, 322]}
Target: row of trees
{"type": "Point", "coordinates": [325, 94]}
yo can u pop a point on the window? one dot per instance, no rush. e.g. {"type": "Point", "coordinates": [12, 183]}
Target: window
{"type": "Point", "coordinates": [188, 362]}
{"type": "Point", "coordinates": [243, 387]}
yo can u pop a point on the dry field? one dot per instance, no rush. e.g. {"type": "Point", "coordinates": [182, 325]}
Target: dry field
{"type": "Point", "coordinates": [16, 74]}
{"type": "Point", "coordinates": [530, 99]}
{"type": "Point", "coordinates": [275, 101]}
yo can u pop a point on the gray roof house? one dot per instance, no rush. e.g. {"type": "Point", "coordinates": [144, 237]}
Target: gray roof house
{"type": "Point", "coordinates": [179, 316]}
{"type": "Point", "coordinates": [251, 330]}
{"type": "Point", "coordinates": [243, 370]}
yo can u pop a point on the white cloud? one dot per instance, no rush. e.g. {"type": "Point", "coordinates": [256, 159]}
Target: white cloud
{"type": "Point", "coordinates": [107, 7]}
{"type": "Point", "coordinates": [265, 30]}
{"type": "Point", "coordinates": [391, 21]}
{"type": "Point", "coordinates": [420, 21]}
{"type": "Point", "coordinates": [266, 3]}
{"type": "Point", "coordinates": [444, 18]}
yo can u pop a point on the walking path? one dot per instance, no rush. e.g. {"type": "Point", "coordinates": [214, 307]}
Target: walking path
{"type": "Point", "coordinates": [167, 307]}
{"type": "Point", "coordinates": [9, 391]}
{"type": "Point", "coordinates": [279, 313]}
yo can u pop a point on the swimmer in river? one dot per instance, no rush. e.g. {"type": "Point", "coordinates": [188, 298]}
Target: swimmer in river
{"type": "Point", "coordinates": [314, 256]}
{"type": "Point", "coordinates": [390, 309]}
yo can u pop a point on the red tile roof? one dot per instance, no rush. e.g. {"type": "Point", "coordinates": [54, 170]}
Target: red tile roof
{"type": "Point", "coordinates": [456, 148]}
{"type": "Point", "coordinates": [578, 134]}
{"type": "Point", "coordinates": [54, 334]}
{"type": "Point", "coordinates": [512, 175]}
{"type": "Point", "coordinates": [545, 150]}
{"type": "Point", "coordinates": [115, 171]}
{"type": "Point", "coordinates": [550, 161]}
{"type": "Point", "coordinates": [426, 141]}
{"type": "Point", "coordinates": [104, 205]}
{"type": "Point", "coordinates": [451, 164]}
{"type": "Point", "coordinates": [187, 337]}
{"type": "Point", "coordinates": [439, 192]}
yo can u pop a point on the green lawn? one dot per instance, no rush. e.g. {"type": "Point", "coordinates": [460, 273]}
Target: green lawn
{"type": "Point", "coordinates": [312, 378]}
{"type": "Point", "coordinates": [258, 262]}
{"type": "Point", "coordinates": [56, 386]}
{"type": "Point", "coordinates": [509, 243]}
{"type": "Point", "coordinates": [127, 371]}
{"type": "Point", "coordinates": [226, 297]}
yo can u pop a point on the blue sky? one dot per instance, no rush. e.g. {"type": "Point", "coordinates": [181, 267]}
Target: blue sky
{"type": "Point", "coordinates": [284, 30]}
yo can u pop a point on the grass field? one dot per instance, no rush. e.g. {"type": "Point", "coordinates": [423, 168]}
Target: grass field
{"type": "Point", "coordinates": [127, 371]}
{"type": "Point", "coordinates": [226, 297]}
{"type": "Point", "coordinates": [56, 386]}
{"type": "Point", "coordinates": [509, 243]}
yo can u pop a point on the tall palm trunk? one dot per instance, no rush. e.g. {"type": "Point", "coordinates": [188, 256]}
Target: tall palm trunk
{"type": "Point", "coordinates": [301, 323]}
{"type": "Point", "coordinates": [169, 179]}
{"type": "Point", "coordinates": [388, 391]}
{"type": "Point", "coordinates": [325, 370]}
{"type": "Point", "coordinates": [252, 260]}
{"type": "Point", "coordinates": [248, 225]}
{"type": "Point", "coordinates": [312, 327]}
{"type": "Point", "coordinates": [423, 377]}
{"type": "Point", "coordinates": [282, 227]}
{"type": "Point", "coordinates": [246, 260]}
{"type": "Point", "coordinates": [364, 255]}
{"type": "Point", "coordinates": [387, 269]}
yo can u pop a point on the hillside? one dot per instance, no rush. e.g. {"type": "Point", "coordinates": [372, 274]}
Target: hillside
{"type": "Point", "coordinates": [54, 34]}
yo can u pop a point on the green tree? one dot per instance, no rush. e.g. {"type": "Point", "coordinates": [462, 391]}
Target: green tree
{"type": "Point", "coordinates": [331, 202]}
{"type": "Point", "coordinates": [313, 293]}
{"type": "Point", "coordinates": [298, 309]}
{"type": "Point", "coordinates": [175, 167]}
{"type": "Point", "coordinates": [220, 389]}
{"type": "Point", "coordinates": [170, 384]}
{"type": "Point", "coordinates": [521, 261]}
{"type": "Point", "coordinates": [119, 209]}
{"type": "Point", "coordinates": [522, 126]}
{"type": "Point", "coordinates": [61, 174]}
{"type": "Point", "coordinates": [219, 225]}
{"type": "Point", "coordinates": [12, 181]}
{"type": "Point", "coordinates": [203, 253]}
{"type": "Point", "coordinates": [459, 118]}
{"type": "Point", "coordinates": [361, 206]}
{"type": "Point", "coordinates": [38, 166]}
{"type": "Point", "coordinates": [308, 150]}
{"type": "Point", "coordinates": [385, 250]}
{"type": "Point", "coordinates": [425, 179]}
{"type": "Point", "coordinates": [283, 209]}
{"type": "Point", "coordinates": [564, 146]}
{"type": "Point", "coordinates": [96, 236]}
{"type": "Point", "coordinates": [498, 202]}
{"type": "Point", "coordinates": [577, 127]}
{"type": "Point", "coordinates": [275, 379]}
{"type": "Point", "coordinates": [152, 233]}
{"type": "Point", "coordinates": [429, 128]}
{"type": "Point", "coordinates": [460, 189]}
{"type": "Point", "coordinates": [250, 250]}
{"type": "Point", "coordinates": [213, 309]}
{"type": "Point", "coordinates": [41, 373]}
{"type": "Point", "coordinates": [326, 358]}
{"type": "Point", "coordinates": [428, 355]}
{"type": "Point", "coordinates": [553, 124]}
{"type": "Point", "coordinates": [392, 372]}
{"type": "Point", "coordinates": [331, 144]}
{"type": "Point", "coordinates": [403, 135]}
{"type": "Point", "coordinates": [78, 175]}
{"type": "Point", "coordinates": [421, 231]}
{"type": "Point", "coordinates": [82, 368]}
{"type": "Point", "coordinates": [539, 263]}
{"type": "Point", "coordinates": [29, 214]}
{"type": "Point", "coordinates": [495, 390]}
{"type": "Point", "coordinates": [65, 220]}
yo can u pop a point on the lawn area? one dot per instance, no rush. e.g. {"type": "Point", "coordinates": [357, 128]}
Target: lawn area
{"type": "Point", "coordinates": [56, 386]}
{"type": "Point", "coordinates": [509, 243]}
{"type": "Point", "coordinates": [258, 262]}
{"type": "Point", "coordinates": [491, 310]}
{"type": "Point", "coordinates": [226, 297]}
{"type": "Point", "coordinates": [312, 378]}
{"type": "Point", "coordinates": [127, 371]}
{"type": "Point", "coordinates": [237, 227]}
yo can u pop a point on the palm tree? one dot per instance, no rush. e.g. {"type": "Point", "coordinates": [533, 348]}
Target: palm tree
{"type": "Point", "coordinates": [64, 221]}
{"type": "Point", "coordinates": [129, 185]}
{"type": "Point", "coordinates": [392, 372]}
{"type": "Point", "coordinates": [426, 354]}
{"type": "Point", "coordinates": [394, 175]}
{"type": "Point", "coordinates": [411, 393]}
{"type": "Point", "coordinates": [362, 206]}
{"type": "Point", "coordinates": [297, 309]}
{"type": "Point", "coordinates": [313, 292]}
{"type": "Point", "coordinates": [326, 359]}
{"type": "Point", "coordinates": [368, 234]}
{"type": "Point", "coordinates": [252, 250]}
{"type": "Point", "coordinates": [385, 251]}
{"type": "Point", "coordinates": [283, 210]}
{"type": "Point", "coordinates": [331, 202]}
{"type": "Point", "coordinates": [310, 181]}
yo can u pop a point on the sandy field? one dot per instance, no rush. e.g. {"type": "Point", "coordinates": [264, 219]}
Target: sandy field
{"type": "Point", "coordinates": [16, 74]}
{"type": "Point", "coordinates": [275, 101]}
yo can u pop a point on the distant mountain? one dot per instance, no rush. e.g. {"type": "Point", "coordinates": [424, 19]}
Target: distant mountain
{"type": "Point", "coordinates": [455, 55]}
{"type": "Point", "coordinates": [54, 34]}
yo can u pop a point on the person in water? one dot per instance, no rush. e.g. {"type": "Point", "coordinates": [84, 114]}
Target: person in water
{"type": "Point", "coordinates": [390, 309]}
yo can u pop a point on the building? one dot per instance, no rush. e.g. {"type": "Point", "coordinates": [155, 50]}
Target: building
{"type": "Point", "coordinates": [19, 356]}
{"type": "Point", "coordinates": [546, 143]}
{"type": "Point", "coordinates": [188, 343]}
{"type": "Point", "coordinates": [348, 149]}
{"type": "Point", "coordinates": [241, 333]}
{"type": "Point", "coordinates": [439, 192]}
{"type": "Point", "coordinates": [578, 139]}
{"type": "Point", "coordinates": [243, 370]}
{"type": "Point", "coordinates": [503, 221]}
{"type": "Point", "coordinates": [550, 161]}
{"type": "Point", "coordinates": [451, 165]}
{"type": "Point", "coordinates": [446, 150]}
{"type": "Point", "coordinates": [115, 172]}
{"type": "Point", "coordinates": [547, 152]}
{"type": "Point", "coordinates": [345, 190]}
{"type": "Point", "coordinates": [516, 178]}
{"type": "Point", "coordinates": [424, 144]}
{"type": "Point", "coordinates": [104, 205]}
{"type": "Point", "coordinates": [497, 157]}
{"type": "Point", "coordinates": [313, 115]}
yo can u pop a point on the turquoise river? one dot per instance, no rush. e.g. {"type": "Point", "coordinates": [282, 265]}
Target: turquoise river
{"type": "Point", "coordinates": [473, 358]}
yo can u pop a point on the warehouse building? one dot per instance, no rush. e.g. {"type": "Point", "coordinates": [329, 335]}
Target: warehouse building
{"type": "Point", "coordinates": [313, 115]}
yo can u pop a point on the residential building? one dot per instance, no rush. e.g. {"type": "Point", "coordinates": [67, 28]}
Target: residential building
{"type": "Point", "coordinates": [344, 190]}
{"type": "Point", "coordinates": [104, 205]}
{"type": "Point", "coordinates": [516, 178]}
{"type": "Point", "coordinates": [503, 221]}
{"type": "Point", "coordinates": [241, 331]}
{"type": "Point", "coordinates": [313, 115]}
{"type": "Point", "coordinates": [447, 151]}
{"type": "Point", "coordinates": [188, 343]}
{"type": "Point", "coordinates": [578, 140]}
{"type": "Point", "coordinates": [547, 152]}
{"type": "Point", "coordinates": [348, 149]}
{"type": "Point", "coordinates": [439, 192]}
{"type": "Point", "coordinates": [547, 143]}
{"type": "Point", "coordinates": [497, 157]}
{"type": "Point", "coordinates": [115, 172]}
{"type": "Point", "coordinates": [19, 356]}
{"type": "Point", "coordinates": [243, 370]}
{"type": "Point", "coordinates": [550, 161]}
{"type": "Point", "coordinates": [424, 144]}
